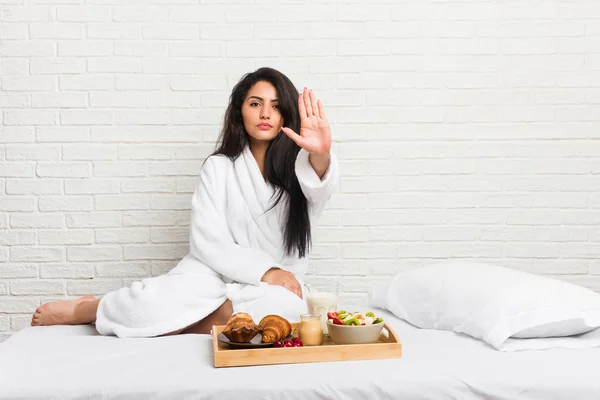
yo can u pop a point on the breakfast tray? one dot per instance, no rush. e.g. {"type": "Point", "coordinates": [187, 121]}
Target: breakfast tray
{"type": "Point", "coordinates": [388, 346]}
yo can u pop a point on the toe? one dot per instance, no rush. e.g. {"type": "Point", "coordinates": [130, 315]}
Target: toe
{"type": "Point", "coordinates": [35, 320]}
{"type": "Point", "coordinates": [42, 308]}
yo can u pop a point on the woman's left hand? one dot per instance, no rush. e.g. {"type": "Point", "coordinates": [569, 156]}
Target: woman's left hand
{"type": "Point", "coordinates": [315, 134]}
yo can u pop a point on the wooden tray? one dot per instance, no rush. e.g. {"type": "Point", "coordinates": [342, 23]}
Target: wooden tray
{"type": "Point", "coordinates": [388, 346]}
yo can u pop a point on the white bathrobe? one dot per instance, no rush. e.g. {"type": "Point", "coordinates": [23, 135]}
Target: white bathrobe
{"type": "Point", "coordinates": [233, 242]}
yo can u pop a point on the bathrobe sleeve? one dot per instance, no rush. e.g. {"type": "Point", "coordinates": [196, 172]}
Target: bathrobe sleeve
{"type": "Point", "coordinates": [317, 190]}
{"type": "Point", "coordinates": [210, 239]}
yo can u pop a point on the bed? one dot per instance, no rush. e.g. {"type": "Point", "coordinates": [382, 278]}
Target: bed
{"type": "Point", "coordinates": [74, 362]}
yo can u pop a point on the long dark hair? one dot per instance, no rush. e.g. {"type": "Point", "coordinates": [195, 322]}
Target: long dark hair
{"type": "Point", "coordinates": [281, 154]}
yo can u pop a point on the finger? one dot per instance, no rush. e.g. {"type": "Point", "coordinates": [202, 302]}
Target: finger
{"type": "Point", "coordinates": [289, 287]}
{"type": "Point", "coordinates": [294, 289]}
{"type": "Point", "coordinates": [313, 102]}
{"type": "Point", "coordinates": [306, 96]}
{"type": "Point", "coordinates": [301, 106]}
{"type": "Point", "coordinates": [299, 291]}
{"type": "Point", "coordinates": [296, 285]}
{"type": "Point", "coordinates": [294, 136]}
{"type": "Point", "coordinates": [322, 110]}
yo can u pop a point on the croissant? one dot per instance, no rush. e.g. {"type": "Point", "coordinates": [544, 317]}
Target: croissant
{"type": "Point", "coordinates": [241, 328]}
{"type": "Point", "coordinates": [274, 328]}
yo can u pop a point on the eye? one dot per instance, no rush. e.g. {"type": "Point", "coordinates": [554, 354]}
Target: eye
{"type": "Point", "coordinates": [254, 104]}
{"type": "Point", "coordinates": [276, 106]}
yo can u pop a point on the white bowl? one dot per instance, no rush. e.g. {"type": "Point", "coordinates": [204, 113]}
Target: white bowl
{"type": "Point", "coordinates": [354, 334]}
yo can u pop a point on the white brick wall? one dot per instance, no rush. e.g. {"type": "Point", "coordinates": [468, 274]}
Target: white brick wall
{"type": "Point", "coordinates": [465, 130]}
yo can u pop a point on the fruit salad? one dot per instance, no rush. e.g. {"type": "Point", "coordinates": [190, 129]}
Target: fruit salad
{"type": "Point", "coordinates": [343, 317]}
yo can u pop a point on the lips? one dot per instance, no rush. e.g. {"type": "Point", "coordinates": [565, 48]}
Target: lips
{"type": "Point", "coordinates": [265, 126]}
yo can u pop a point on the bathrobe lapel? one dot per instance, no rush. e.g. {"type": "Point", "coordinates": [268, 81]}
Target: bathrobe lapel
{"type": "Point", "coordinates": [257, 194]}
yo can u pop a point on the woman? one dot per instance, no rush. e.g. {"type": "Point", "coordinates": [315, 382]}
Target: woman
{"type": "Point", "coordinates": [259, 195]}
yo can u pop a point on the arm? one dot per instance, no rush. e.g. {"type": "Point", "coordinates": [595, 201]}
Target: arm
{"type": "Point", "coordinates": [320, 162]}
{"type": "Point", "coordinates": [210, 240]}
{"type": "Point", "coordinates": [316, 166]}
{"type": "Point", "coordinates": [316, 189]}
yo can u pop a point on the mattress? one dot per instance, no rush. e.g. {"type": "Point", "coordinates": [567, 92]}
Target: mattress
{"type": "Point", "coordinates": [74, 362]}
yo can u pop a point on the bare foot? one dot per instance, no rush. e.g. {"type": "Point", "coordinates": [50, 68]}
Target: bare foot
{"type": "Point", "coordinates": [60, 313]}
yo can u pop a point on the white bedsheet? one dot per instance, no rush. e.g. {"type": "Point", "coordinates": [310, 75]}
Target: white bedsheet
{"type": "Point", "coordinates": [73, 362]}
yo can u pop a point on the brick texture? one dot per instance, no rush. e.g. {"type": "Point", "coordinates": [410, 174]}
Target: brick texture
{"type": "Point", "coordinates": [464, 131]}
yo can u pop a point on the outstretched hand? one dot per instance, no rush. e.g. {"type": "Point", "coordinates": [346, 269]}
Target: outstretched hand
{"type": "Point", "coordinates": [315, 134]}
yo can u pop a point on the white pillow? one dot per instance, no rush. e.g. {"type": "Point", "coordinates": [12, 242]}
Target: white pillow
{"type": "Point", "coordinates": [489, 302]}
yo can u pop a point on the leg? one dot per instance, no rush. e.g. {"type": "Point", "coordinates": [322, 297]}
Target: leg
{"type": "Point", "coordinates": [218, 317]}
{"type": "Point", "coordinates": [70, 312]}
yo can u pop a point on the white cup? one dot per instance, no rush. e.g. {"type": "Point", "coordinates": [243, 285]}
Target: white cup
{"type": "Point", "coordinates": [321, 300]}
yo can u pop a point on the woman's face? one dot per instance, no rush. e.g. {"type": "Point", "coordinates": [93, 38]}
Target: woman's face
{"type": "Point", "coordinates": [260, 112]}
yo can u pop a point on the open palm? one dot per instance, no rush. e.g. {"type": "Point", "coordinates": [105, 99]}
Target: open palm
{"type": "Point", "coordinates": [315, 134]}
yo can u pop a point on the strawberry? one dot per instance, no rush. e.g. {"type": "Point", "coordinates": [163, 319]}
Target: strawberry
{"type": "Point", "coordinates": [336, 321]}
{"type": "Point", "coordinates": [332, 315]}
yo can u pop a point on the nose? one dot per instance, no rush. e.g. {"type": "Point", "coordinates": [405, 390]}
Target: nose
{"type": "Point", "coordinates": [265, 113]}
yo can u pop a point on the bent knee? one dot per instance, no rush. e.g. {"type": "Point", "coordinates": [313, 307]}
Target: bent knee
{"type": "Point", "coordinates": [225, 311]}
